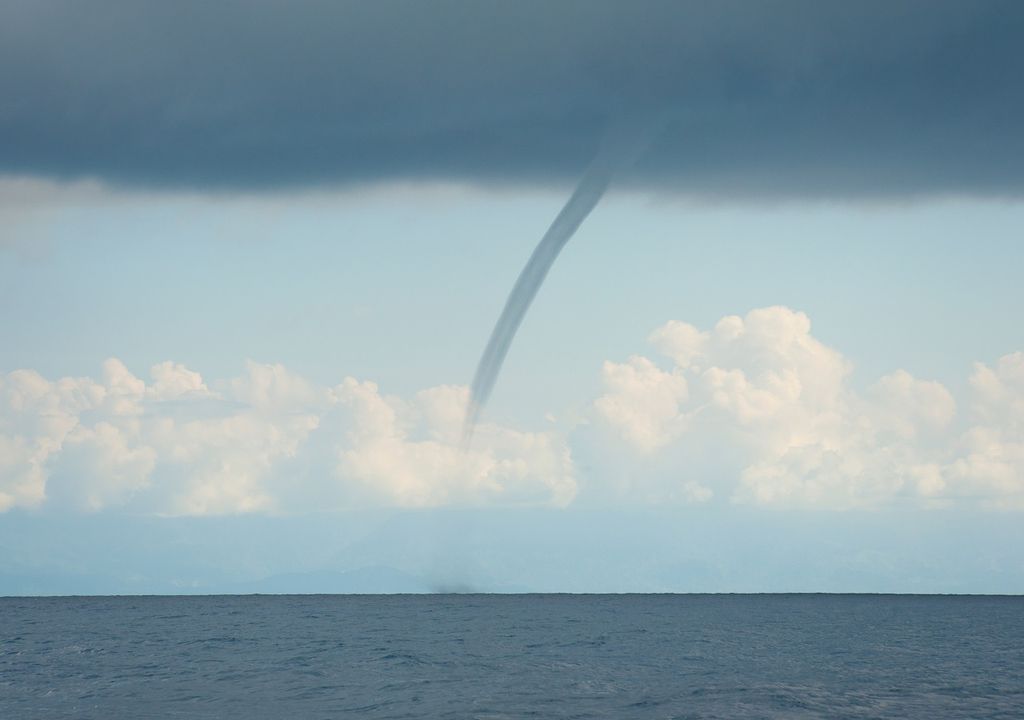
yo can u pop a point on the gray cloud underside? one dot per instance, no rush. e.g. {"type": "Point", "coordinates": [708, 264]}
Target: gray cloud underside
{"type": "Point", "coordinates": [764, 99]}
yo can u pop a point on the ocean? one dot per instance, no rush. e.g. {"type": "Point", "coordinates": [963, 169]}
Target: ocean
{"type": "Point", "coordinates": [512, 656]}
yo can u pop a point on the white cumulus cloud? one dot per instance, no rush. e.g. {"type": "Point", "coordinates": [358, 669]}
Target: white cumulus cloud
{"type": "Point", "coordinates": [779, 408]}
{"type": "Point", "coordinates": [265, 441]}
{"type": "Point", "coordinates": [643, 402]}
{"type": "Point", "coordinates": [409, 454]}
{"type": "Point", "coordinates": [991, 462]}
{"type": "Point", "coordinates": [754, 410]}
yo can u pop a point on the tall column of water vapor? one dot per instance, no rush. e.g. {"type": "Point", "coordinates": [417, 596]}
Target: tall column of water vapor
{"type": "Point", "coordinates": [621, 146]}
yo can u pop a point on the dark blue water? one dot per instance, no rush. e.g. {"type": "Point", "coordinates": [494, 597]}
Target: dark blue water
{"type": "Point", "coordinates": [511, 656]}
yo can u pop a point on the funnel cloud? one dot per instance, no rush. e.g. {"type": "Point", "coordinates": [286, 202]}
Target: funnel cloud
{"type": "Point", "coordinates": [622, 145]}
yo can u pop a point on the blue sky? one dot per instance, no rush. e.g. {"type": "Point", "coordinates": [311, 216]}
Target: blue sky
{"type": "Point", "coordinates": [349, 283]}
{"type": "Point", "coordinates": [247, 271]}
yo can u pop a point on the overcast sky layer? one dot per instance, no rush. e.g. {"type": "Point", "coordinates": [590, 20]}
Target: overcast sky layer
{"type": "Point", "coordinates": [250, 254]}
{"type": "Point", "coordinates": [790, 97]}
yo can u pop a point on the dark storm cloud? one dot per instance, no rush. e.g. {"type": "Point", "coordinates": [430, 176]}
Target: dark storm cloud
{"type": "Point", "coordinates": [766, 98]}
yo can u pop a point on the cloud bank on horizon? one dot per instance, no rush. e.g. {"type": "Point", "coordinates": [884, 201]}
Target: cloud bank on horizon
{"type": "Point", "coordinates": [784, 98]}
{"type": "Point", "coordinates": [754, 411]}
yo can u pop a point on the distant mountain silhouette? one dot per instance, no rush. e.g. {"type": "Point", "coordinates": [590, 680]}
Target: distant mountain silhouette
{"type": "Point", "coordinates": [375, 579]}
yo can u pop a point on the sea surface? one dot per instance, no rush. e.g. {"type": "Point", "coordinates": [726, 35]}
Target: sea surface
{"type": "Point", "coordinates": [513, 656]}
